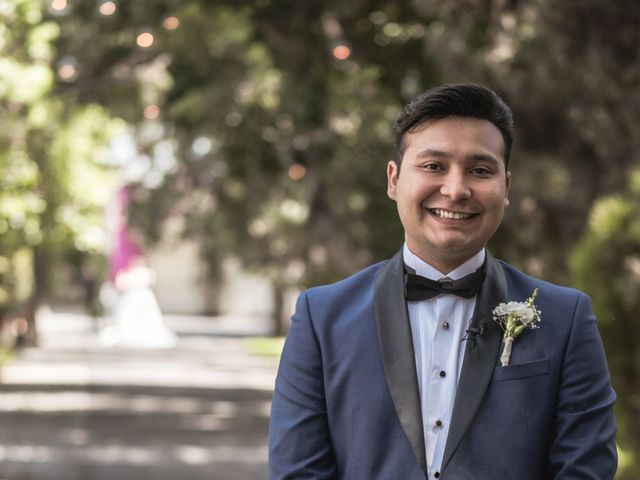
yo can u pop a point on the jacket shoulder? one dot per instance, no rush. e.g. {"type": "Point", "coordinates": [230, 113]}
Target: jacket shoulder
{"type": "Point", "coordinates": [357, 281]}
{"type": "Point", "coordinates": [336, 298]}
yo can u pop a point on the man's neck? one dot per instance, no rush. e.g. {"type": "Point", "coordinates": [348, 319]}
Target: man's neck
{"type": "Point", "coordinates": [437, 270]}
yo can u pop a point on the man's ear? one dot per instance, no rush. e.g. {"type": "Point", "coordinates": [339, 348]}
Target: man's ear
{"type": "Point", "coordinates": [392, 179]}
{"type": "Point", "coordinates": [506, 190]}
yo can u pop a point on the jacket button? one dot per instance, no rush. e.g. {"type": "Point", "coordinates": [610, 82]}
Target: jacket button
{"type": "Point", "coordinates": [437, 474]}
{"type": "Point", "coordinates": [443, 373]}
{"type": "Point", "coordinates": [445, 325]}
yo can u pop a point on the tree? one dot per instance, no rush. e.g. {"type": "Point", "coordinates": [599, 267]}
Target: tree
{"type": "Point", "coordinates": [52, 195]}
{"type": "Point", "coordinates": [253, 94]}
{"type": "Point", "coordinates": [606, 264]}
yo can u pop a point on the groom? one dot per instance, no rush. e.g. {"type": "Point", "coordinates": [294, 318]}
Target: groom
{"type": "Point", "coordinates": [394, 373]}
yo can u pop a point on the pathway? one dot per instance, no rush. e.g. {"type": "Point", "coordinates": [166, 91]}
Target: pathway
{"type": "Point", "coordinates": [72, 410]}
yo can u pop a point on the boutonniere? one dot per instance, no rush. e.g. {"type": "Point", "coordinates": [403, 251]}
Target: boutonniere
{"type": "Point", "coordinates": [514, 317]}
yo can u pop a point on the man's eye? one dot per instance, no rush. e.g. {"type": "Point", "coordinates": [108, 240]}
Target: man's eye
{"type": "Point", "coordinates": [432, 167]}
{"type": "Point", "coordinates": [481, 171]}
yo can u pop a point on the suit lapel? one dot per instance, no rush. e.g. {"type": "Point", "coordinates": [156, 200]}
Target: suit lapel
{"type": "Point", "coordinates": [396, 347]}
{"type": "Point", "coordinates": [480, 357]}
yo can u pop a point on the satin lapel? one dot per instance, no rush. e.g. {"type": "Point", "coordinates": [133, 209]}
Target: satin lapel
{"type": "Point", "coordinates": [396, 347]}
{"type": "Point", "coordinates": [481, 355]}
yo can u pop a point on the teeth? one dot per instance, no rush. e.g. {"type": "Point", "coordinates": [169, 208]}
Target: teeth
{"type": "Point", "coordinates": [453, 215]}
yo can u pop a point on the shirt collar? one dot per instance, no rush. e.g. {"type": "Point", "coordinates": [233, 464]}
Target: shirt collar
{"type": "Point", "coordinates": [423, 269]}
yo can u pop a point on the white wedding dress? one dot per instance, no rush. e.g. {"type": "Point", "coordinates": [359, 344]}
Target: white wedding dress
{"type": "Point", "coordinates": [138, 321]}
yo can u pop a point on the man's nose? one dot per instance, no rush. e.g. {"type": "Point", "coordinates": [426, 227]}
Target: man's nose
{"type": "Point", "coordinates": [455, 186]}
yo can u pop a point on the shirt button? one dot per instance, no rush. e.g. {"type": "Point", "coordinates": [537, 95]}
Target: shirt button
{"type": "Point", "coordinates": [438, 423]}
{"type": "Point", "coordinates": [445, 325]}
{"type": "Point", "coordinates": [443, 373]}
{"type": "Point", "coordinates": [437, 474]}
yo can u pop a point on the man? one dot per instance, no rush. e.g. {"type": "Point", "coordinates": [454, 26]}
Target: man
{"type": "Point", "coordinates": [386, 375]}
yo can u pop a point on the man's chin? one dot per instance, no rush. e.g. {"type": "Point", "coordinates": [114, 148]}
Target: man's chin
{"type": "Point", "coordinates": [454, 245]}
{"type": "Point", "coordinates": [458, 247]}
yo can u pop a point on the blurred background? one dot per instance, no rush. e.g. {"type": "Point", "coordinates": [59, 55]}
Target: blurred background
{"type": "Point", "coordinates": [222, 155]}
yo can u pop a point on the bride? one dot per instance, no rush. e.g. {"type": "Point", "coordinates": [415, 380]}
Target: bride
{"type": "Point", "coordinates": [138, 320]}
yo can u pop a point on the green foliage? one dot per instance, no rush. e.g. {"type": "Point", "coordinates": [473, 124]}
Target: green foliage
{"type": "Point", "coordinates": [52, 185]}
{"type": "Point", "coordinates": [75, 156]}
{"type": "Point", "coordinates": [606, 264]}
{"type": "Point", "coordinates": [258, 81]}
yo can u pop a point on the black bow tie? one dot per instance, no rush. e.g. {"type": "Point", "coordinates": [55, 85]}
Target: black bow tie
{"type": "Point", "coordinates": [418, 288]}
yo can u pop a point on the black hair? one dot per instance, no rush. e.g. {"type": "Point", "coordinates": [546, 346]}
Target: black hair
{"type": "Point", "coordinates": [455, 100]}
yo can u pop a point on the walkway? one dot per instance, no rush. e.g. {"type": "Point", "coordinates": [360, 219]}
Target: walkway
{"type": "Point", "coordinates": [72, 410]}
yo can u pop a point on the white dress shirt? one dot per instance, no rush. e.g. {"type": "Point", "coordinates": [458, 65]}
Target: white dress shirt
{"type": "Point", "coordinates": [437, 327]}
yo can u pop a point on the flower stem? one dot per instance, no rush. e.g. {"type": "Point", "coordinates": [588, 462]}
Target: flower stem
{"type": "Point", "coordinates": [506, 352]}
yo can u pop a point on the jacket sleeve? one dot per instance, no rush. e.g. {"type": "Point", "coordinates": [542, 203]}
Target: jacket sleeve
{"type": "Point", "coordinates": [299, 441]}
{"type": "Point", "coordinates": [583, 444]}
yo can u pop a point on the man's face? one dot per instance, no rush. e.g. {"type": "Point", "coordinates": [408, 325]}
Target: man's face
{"type": "Point", "coordinates": [451, 190]}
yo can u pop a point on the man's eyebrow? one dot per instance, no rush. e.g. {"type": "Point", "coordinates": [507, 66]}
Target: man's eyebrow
{"type": "Point", "coordinates": [430, 153]}
{"type": "Point", "coordinates": [475, 157]}
{"type": "Point", "coordinates": [483, 157]}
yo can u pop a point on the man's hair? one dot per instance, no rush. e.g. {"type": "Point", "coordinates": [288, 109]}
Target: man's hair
{"type": "Point", "coordinates": [455, 100]}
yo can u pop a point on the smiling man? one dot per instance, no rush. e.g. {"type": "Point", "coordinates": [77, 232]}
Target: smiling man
{"type": "Point", "coordinates": [396, 371]}
{"type": "Point", "coordinates": [453, 190]}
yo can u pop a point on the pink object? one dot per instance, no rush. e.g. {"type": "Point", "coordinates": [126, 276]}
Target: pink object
{"type": "Point", "coordinates": [125, 250]}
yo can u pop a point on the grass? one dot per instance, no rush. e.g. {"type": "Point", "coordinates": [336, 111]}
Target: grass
{"type": "Point", "coordinates": [264, 346]}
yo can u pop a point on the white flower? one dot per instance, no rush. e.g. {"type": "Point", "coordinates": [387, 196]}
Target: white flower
{"type": "Point", "coordinates": [514, 317]}
{"type": "Point", "coordinates": [516, 309]}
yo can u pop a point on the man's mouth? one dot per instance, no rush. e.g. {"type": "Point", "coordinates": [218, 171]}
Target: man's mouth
{"type": "Point", "coordinates": [441, 213]}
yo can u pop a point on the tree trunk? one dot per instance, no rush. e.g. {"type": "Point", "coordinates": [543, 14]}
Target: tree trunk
{"type": "Point", "coordinates": [279, 322]}
{"type": "Point", "coordinates": [30, 337]}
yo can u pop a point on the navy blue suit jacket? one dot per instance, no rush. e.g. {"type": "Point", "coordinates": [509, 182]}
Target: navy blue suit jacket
{"type": "Point", "coordinates": [347, 406]}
